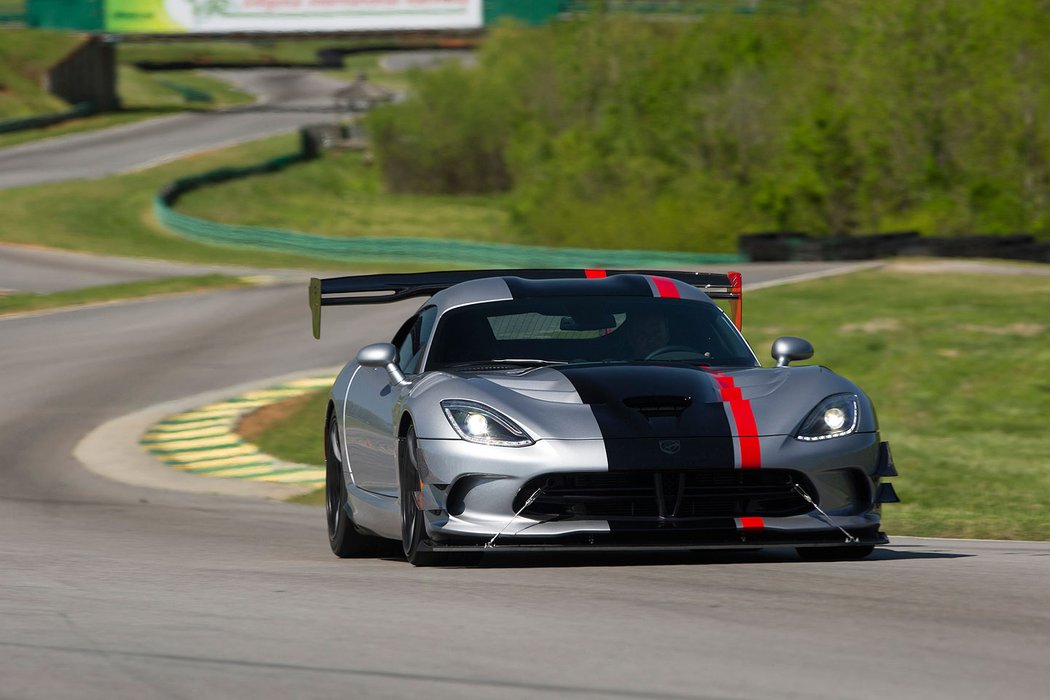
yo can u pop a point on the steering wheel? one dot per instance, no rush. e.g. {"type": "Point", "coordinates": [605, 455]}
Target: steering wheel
{"type": "Point", "coordinates": [670, 348]}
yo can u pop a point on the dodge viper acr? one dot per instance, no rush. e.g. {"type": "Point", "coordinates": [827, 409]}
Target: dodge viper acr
{"type": "Point", "coordinates": [590, 409]}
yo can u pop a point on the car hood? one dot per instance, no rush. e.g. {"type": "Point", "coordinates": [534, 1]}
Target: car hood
{"type": "Point", "coordinates": [649, 400]}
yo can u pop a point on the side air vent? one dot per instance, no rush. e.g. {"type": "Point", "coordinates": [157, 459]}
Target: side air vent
{"type": "Point", "coordinates": [659, 406]}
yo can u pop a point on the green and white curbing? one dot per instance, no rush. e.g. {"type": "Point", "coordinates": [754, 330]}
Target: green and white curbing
{"type": "Point", "coordinates": [204, 440]}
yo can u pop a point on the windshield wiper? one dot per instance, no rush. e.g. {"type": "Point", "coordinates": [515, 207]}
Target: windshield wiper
{"type": "Point", "coordinates": [509, 361]}
{"type": "Point", "coordinates": [528, 362]}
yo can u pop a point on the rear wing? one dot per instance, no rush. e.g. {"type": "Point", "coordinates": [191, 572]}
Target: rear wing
{"type": "Point", "coordinates": [386, 288]}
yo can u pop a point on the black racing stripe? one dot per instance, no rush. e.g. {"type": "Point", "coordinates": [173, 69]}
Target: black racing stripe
{"type": "Point", "coordinates": [630, 402]}
{"type": "Point", "coordinates": [614, 286]}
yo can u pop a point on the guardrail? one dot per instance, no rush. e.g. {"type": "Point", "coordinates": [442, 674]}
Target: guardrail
{"type": "Point", "coordinates": [792, 245]}
{"type": "Point", "coordinates": [188, 94]}
{"type": "Point", "coordinates": [80, 110]}
{"type": "Point", "coordinates": [390, 249]}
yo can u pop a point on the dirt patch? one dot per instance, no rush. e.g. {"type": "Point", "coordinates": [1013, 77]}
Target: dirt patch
{"type": "Point", "coordinates": [261, 420]}
{"type": "Point", "coordinates": [875, 325]}
{"type": "Point", "coordinates": [1024, 330]}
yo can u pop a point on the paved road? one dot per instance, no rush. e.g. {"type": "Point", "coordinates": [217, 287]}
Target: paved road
{"type": "Point", "coordinates": [407, 60]}
{"type": "Point", "coordinates": [42, 270]}
{"type": "Point", "coordinates": [289, 99]}
{"type": "Point", "coordinates": [114, 591]}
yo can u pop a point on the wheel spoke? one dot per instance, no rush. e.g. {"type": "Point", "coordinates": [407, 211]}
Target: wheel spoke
{"type": "Point", "coordinates": [409, 477]}
{"type": "Point", "coordinates": [333, 440]}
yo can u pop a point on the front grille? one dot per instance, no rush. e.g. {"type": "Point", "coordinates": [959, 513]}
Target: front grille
{"type": "Point", "coordinates": [670, 495]}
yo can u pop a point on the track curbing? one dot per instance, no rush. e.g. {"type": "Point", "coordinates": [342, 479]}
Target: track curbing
{"type": "Point", "coordinates": [203, 440]}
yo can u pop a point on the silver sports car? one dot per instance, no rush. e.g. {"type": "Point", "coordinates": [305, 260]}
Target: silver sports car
{"type": "Point", "coordinates": [594, 410]}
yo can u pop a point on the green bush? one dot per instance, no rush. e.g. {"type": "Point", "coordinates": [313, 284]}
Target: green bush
{"type": "Point", "coordinates": [852, 116]}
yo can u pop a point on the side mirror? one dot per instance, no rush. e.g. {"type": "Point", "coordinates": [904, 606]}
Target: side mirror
{"type": "Point", "coordinates": [382, 355]}
{"type": "Point", "coordinates": [787, 349]}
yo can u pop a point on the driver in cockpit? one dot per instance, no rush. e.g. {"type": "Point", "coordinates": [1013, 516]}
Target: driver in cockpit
{"type": "Point", "coordinates": [646, 334]}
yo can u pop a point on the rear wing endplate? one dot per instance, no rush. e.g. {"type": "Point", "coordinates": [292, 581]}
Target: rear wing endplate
{"type": "Point", "coordinates": [386, 288]}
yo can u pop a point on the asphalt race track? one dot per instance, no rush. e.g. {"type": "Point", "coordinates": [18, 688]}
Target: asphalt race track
{"type": "Point", "coordinates": [287, 99]}
{"type": "Point", "coordinates": [109, 590]}
{"type": "Point", "coordinates": [113, 591]}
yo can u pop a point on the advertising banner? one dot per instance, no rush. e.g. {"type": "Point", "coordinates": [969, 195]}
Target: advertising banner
{"type": "Point", "coordinates": [224, 16]}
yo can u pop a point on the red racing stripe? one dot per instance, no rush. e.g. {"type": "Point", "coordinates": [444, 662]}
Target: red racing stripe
{"type": "Point", "coordinates": [594, 274]}
{"type": "Point", "coordinates": [743, 421]}
{"type": "Point", "coordinates": [665, 288]}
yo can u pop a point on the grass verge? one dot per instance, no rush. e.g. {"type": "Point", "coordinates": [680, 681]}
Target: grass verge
{"type": "Point", "coordinates": [289, 429]}
{"type": "Point", "coordinates": [26, 55]}
{"type": "Point", "coordinates": [113, 215]}
{"type": "Point", "coordinates": [144, 96]}
{"type": "Point", "coordinates": [21, 302]}
{"type": "Point", "coordinates": [143, 91]}
{"type": "Point", "coordinates": [341, 195]}
{"type": "Point", "coordinates": [956, 367]}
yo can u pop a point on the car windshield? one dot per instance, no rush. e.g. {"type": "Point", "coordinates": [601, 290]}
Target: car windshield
{"type": "Point", "coordinates": [539, 331]}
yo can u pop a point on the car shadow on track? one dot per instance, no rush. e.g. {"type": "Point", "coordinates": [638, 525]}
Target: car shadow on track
{"type": "Point", "coordinates": [507, 560]}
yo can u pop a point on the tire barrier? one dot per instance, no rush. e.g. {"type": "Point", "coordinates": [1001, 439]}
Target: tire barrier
{"type": "Point", "coordinates": [41, 120]}
{"type": "Point", "coordinates": [390, 249]}
{"type": "Point", "coordinates": [188, 94]}
{"type": "Point", "coordinates": [776, 246]}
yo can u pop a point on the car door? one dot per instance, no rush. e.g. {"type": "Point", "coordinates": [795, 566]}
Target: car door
{"type": "Point", "coordinates": [373, 405]}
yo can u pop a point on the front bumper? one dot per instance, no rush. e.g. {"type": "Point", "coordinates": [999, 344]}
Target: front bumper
{"type": "Point", "coordinates": [472, 493]}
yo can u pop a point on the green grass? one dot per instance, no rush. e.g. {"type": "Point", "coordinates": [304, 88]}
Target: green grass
{"type": "Point", "coordinates": [368, 63]}
{"type": "Point", "coordinates": [24, 302]}
{"type": "Point", "coordinates": [956, 366]}
{"type": "Point", "coordinates": [297, 437]}
{"type": "Point", "coordinates": [113, 215]}
{"type": "Point", "coordinates": [25, 56]}
{"type": "Point", "coordinates": [341, 195]}
{"type": "Point", "coordinates": [142, 90]}
{"type": "Point", "coordinates": [144, 97]}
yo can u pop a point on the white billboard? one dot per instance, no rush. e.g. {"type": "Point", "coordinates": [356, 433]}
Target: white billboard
{"type": "Point", "coordinates": [214, 16]}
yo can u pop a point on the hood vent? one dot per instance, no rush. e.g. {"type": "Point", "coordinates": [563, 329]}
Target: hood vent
{"type": "Point", "coordinates": [659, 406]}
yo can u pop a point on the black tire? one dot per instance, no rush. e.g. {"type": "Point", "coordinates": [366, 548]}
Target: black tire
{"type": "Point", "coordinates": [844, 553]}
{"type": "Point", "coordinates": [343, 537]}
{"type": "Point", "coordinates": [413, 525]}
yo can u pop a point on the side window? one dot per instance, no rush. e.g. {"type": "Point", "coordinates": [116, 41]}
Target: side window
{"type": "Point", "coordinates": [412, 338]}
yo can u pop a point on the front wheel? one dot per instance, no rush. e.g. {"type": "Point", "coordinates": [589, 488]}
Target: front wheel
{"type": "Point", "coordinates": [343, 537]}
{"type": "Point", "coordinates": [413, 527]}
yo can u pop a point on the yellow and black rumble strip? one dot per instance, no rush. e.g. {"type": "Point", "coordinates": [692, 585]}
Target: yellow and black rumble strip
{"type": "Point", "coordinates": [204, 440]}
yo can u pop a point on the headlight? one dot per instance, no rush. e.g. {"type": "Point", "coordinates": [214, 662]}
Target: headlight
{"type": "Point", "coordinates": [833, 417]}
{"type": "Point", "coordinates": [478, 423]}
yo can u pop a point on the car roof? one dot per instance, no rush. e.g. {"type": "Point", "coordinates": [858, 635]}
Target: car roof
{"type": "Point", "coordinates": [510, 287]}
